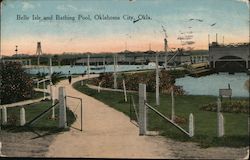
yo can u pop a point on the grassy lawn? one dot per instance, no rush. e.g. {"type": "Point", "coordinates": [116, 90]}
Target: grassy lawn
{"type": "Point", "coordinates": [236, 129]}
{"type": "Point", "coordinates": [31, 111]}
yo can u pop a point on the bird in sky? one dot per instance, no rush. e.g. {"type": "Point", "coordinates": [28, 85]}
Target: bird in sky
{"type": "Point", "coordinates": [136, 20]}
{"type": "Point", "coordinates": [213, 24]}
{"type": "Point", "coordinates": [200, 20]}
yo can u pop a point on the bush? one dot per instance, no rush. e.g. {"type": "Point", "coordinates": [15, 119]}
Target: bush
{"type": "Point", "coordinates": [230, 107]}
{"type": "Point", "coordinates": [16, 85]}
{"type": "Point", "coordinates": [56, 77]}
{"type": "Point", "coordinates": [132, 81]}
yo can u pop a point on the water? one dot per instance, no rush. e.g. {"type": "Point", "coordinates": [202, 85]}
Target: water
{"type": "Point", "coordinates": [82, 69]}
{"type": "Point", "coordinates": [210, 85]}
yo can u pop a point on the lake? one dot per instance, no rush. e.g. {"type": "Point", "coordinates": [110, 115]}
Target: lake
{"type": "Point", "coordinates": [207, 85]}
{"type": "Point", "coordinates": [210, 85]}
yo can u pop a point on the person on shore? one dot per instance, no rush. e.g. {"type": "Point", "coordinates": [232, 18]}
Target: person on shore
{"type": "Point", "coordinates": [84, 73]}
{"type": "Point", "coordinates": [69, 77]}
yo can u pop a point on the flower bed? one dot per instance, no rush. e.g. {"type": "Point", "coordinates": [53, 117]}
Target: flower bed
{"type": "Point", "coordinates": [239, 106]}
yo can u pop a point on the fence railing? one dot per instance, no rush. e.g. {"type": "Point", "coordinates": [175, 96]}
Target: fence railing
{"type": "Point", "coordinates": [166, 118]}
{"type": "Point", "coordinates": [80, 99]}
{"type": "Point", "coordinates": [132, 108]}
{"type": "Point", "coordinates": [143, 105]}
{"type": "Point", "coordinates": [40, 115]}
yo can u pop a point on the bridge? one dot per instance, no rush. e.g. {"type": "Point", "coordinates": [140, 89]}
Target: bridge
{"type": "Point", "coordinates": [229, 58]}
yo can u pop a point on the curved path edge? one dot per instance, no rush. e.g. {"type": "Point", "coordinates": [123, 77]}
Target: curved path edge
{"type": "Point", "coordinates": [107, 133]}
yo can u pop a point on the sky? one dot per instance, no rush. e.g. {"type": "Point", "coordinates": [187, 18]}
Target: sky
{"type": "Point", "coordinates": [179, 19]}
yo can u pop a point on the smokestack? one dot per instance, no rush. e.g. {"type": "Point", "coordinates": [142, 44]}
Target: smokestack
{"type": "Point", "coordinates": [165, 45]}
{"type": "Point", "coordinates": [223, 40]}
{"type": "Point", "coordinates": [216, 38]}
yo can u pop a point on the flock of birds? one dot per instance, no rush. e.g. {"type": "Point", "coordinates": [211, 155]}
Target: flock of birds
{"type": "Point", "coordinates": [186, 38]}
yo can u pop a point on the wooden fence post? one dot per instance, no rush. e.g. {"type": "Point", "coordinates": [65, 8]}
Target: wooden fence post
{"type": "Point", "coordinates": [22, 117]}
{"type": "Point", "coordinates": [173, 103]}
{"type": "Point", "coordinates": [142, 110]}
{"type": "Point", "coordinates": [124, 90]}
{"type": "Point", "coordinates": [157, 96]}
{"type": "Point", "coordinates": [191, 125]}
{"type": "Point", "coordinates": [4, 115]}
{"type": "Point", "coordinates": [62, 108]}
{"type": "Point", "coordinates": [220, 120]}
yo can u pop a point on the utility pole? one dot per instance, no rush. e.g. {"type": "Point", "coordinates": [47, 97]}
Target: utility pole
{"type": "Point", "coordinates": [157, 98]}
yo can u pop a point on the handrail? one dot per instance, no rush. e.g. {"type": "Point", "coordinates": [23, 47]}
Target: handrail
{"type": "Point", "coordinates": [40, 115]}
{"type": "Point", "coordinates": [164, 117]}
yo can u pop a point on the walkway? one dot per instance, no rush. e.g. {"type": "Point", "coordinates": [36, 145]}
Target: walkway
{"type": "Point", "coordinates": [107, 133]}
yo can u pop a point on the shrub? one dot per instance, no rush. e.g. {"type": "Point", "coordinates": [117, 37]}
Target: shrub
{"type": "Point", "coordinates": [55, 77]}
{"type": "Point", "coordinates": [133, 79]}
{"type": "Point", "coordinates": [231, 107]}
{"type": "Point", "coordinates": [16, 85]}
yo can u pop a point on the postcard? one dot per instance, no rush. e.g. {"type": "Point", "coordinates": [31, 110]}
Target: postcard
{"type": "Point", "coordinates": [125, 79]}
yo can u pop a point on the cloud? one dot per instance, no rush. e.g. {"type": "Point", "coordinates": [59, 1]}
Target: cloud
{"type": "Point", "coordinates": [27, 6]}
{"type": "Point", "coordinates": [244, 1]}
{"type": "Point", "coordinates": [69, 7]}
{"type": "Point", "coordinates": [66, 7]}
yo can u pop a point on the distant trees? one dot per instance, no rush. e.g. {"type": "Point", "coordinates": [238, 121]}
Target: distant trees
{"type": "Point", "coordinates": [16, 85]}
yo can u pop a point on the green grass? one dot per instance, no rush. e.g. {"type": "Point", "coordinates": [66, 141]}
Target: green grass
{"type": "Point", "coordinates": [236, 129]}
{"type": "Point", "coordinates": [31, 111]}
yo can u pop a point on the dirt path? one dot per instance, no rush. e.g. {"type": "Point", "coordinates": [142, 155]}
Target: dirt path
{"type": "Point", "coordinates": [106, 133]}
{"type": "Point", "coordinates": [24, 144]}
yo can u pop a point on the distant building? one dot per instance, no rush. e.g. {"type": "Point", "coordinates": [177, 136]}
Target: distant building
{"type": "Point", "coordinates": [229, 58]}
{"type": "Point", "coordinates": [136, 58]}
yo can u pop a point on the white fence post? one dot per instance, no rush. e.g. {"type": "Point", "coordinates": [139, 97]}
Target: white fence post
{"type": "Point", "coordinates": [157, 98]}
{"type": "Point", "coordinates": [142, 110]}
{"type": "Point", "coordinates": [62, 108]}
{"type": "Point", "coordinates": [1, 154]}
{"type": "Point", "coordinates": [99, 87]}
{"type": "Point", "coordinates": [50, 78]}
{"type": "Point", "coordinates": [4, 115]}
{"type": "Point", "coordinates": [44, 93]}
{"type": "Point", "coordinates": [115, 74]}
{"type": "Point", "coordinates": [220, 125]}
{"type": "Point", "coordinates": [88, 66]}
{"type": "Point", "coordinates": [220, 120]}
{"type": "Point", "coordinates": [22, 117]}
{"type": "Point", "coordinates": [191, 125]}
{"type": "Point", "coordinates": [124, 90]}
{"type": "Point", "coordinates": [218, 105]}
{"type": "Point", "coordinates": [53, 103]}
{"type": "Point", "coordinates": [173, 103]}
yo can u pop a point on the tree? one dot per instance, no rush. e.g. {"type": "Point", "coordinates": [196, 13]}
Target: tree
{"type": "Point", "coordinates": [16, 84]}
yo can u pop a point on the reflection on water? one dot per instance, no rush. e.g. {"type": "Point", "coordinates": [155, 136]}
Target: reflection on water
{"type": "Point", "coordinates": [210, 85]}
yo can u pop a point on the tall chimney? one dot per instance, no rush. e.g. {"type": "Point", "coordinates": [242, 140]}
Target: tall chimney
{"type": "Point", "coordinates": [216, 38]}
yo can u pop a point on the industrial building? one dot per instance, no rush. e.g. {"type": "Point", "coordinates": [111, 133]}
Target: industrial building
{"type": "Point", "coordinates": [230, 57]}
